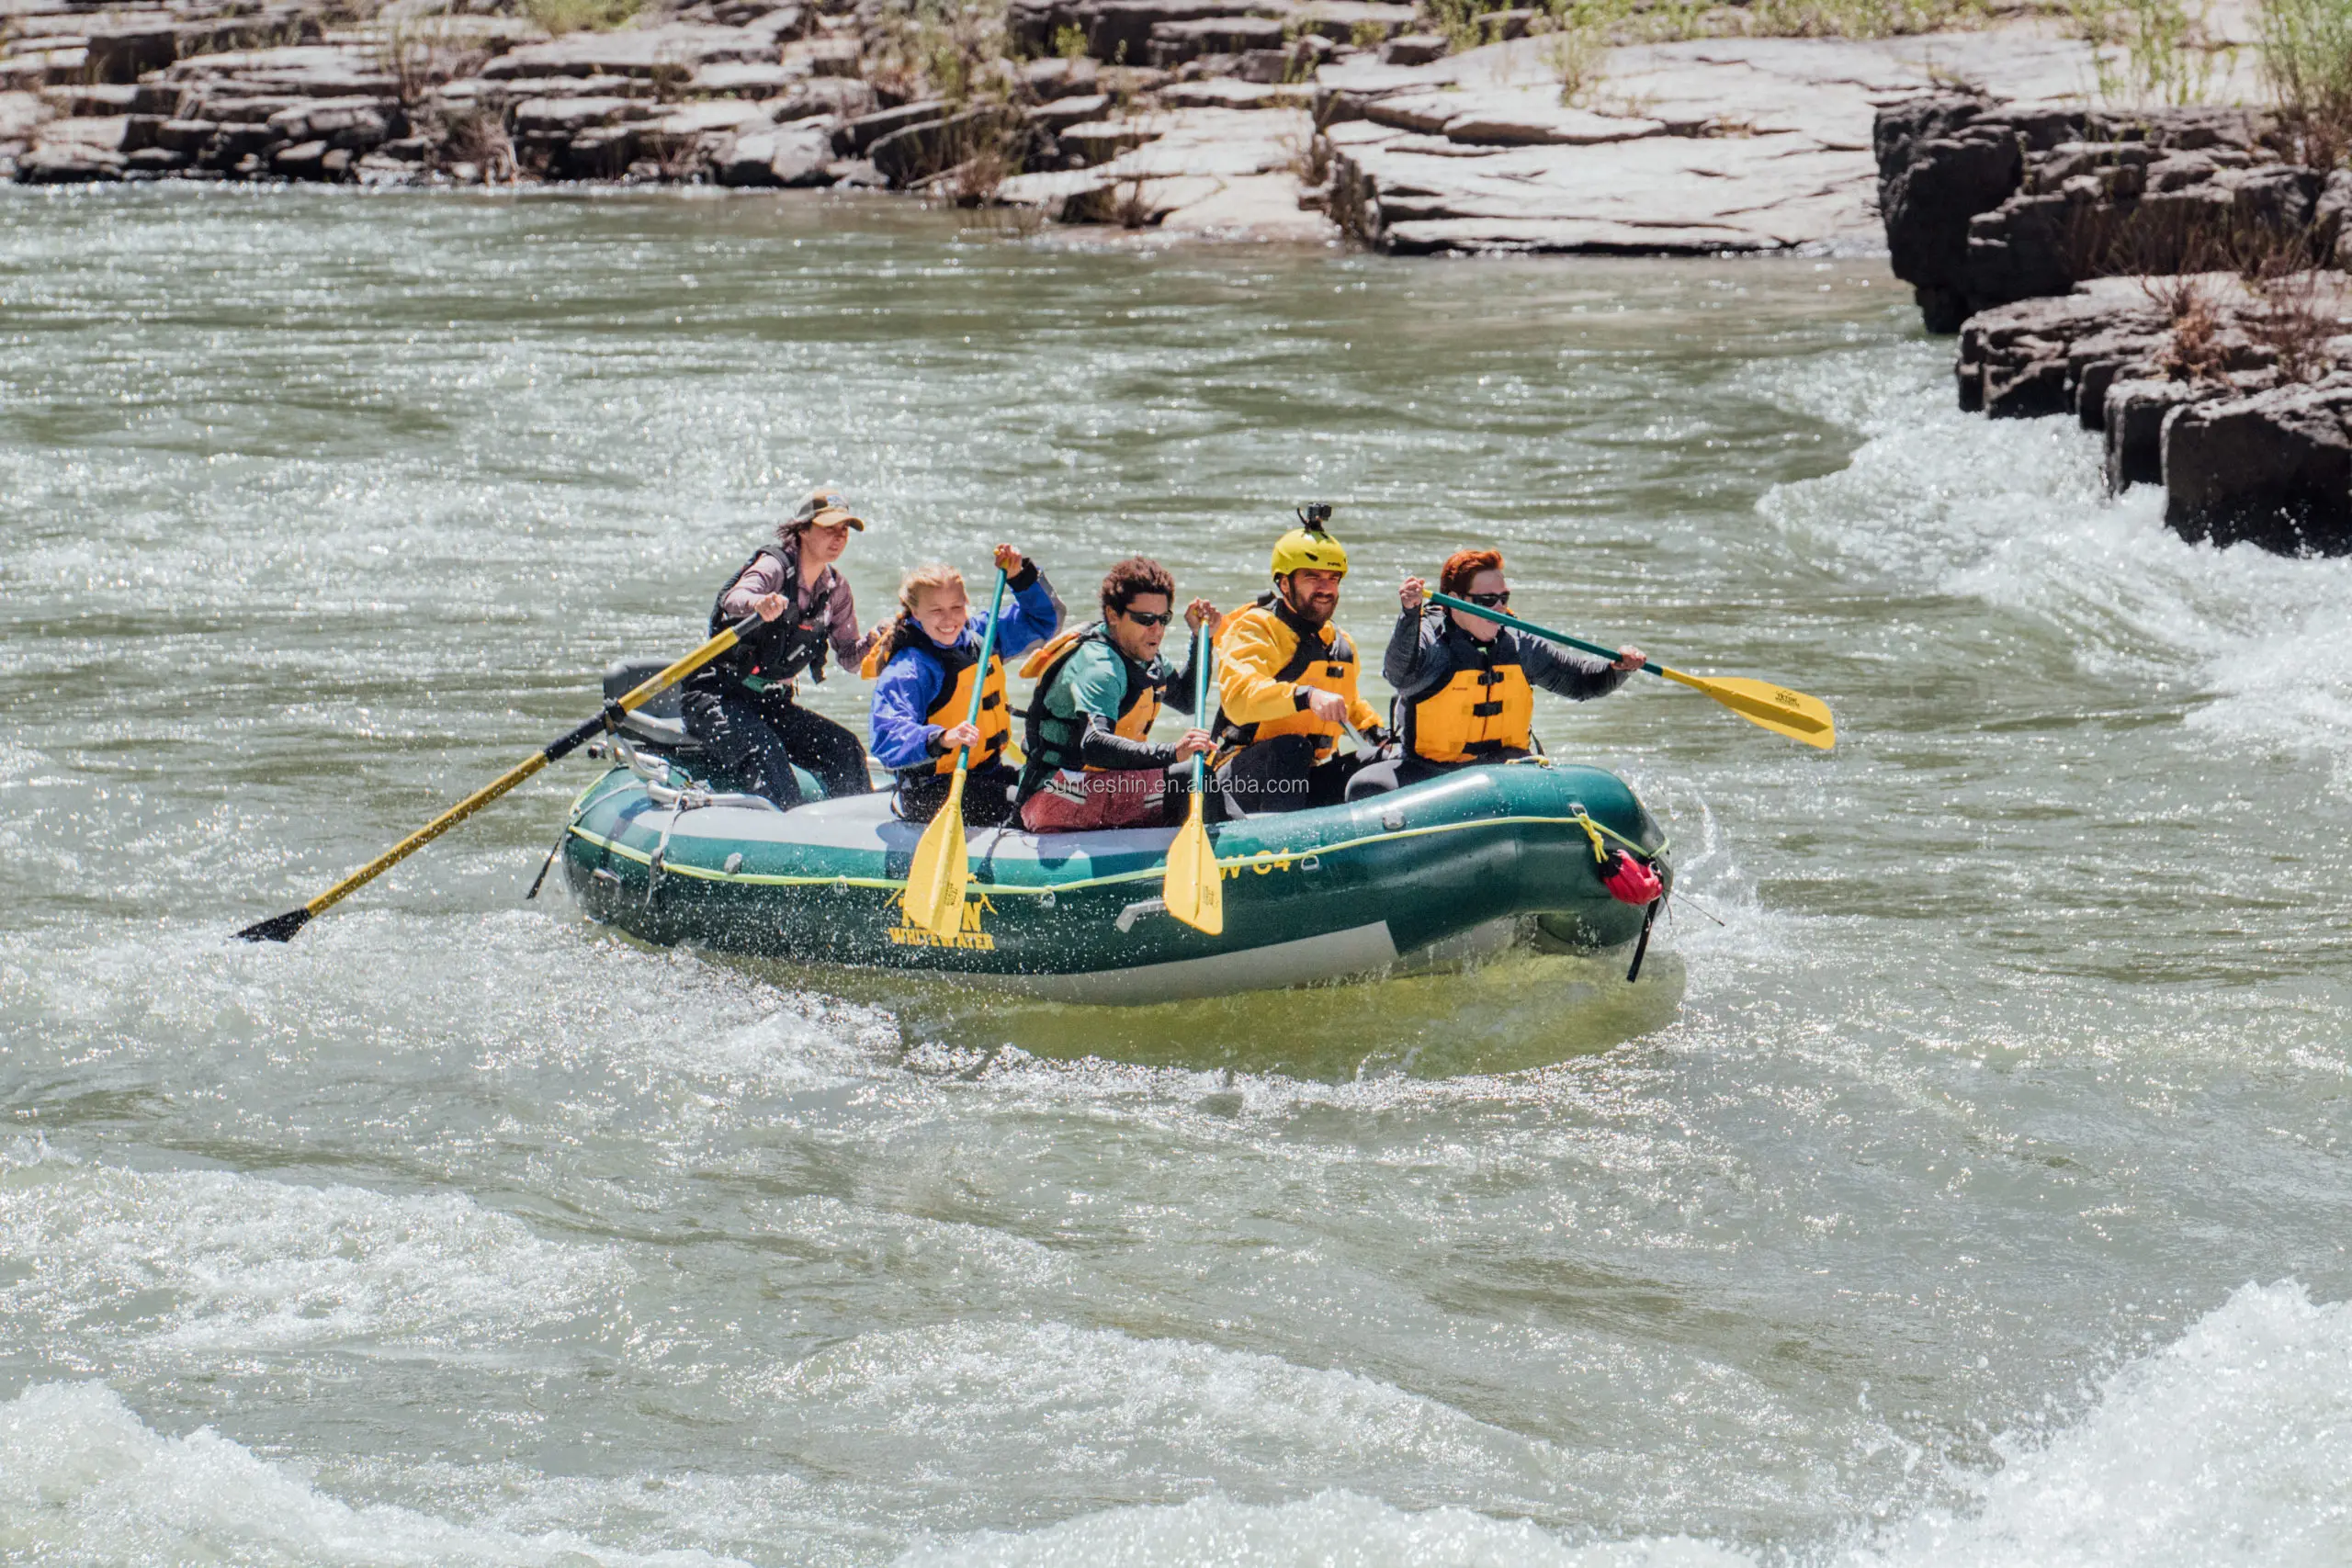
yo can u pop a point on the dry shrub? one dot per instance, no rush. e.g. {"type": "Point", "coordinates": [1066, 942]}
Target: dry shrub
{"type": "Point", "coordinates": [2195, 351]}
{"type": "Point", "coordinates": [422, 57]}
{"type": "Point", "coordinates": [2294, 324]}
{"type": "Point", "coordinates": [2306, 49]}
{"type": "Point", "coordinates": [993, 159]}
{"type": "Point", "coordinates": [2150, 52]}
{"type": "Point", "coordinates": [1130, 208]}
{"type": "Point", "coordinates": [478, 137]}
{"type": "Point", "coordinates": [956, 50]}
{"type": "Point", "coordinates": [562, 17]}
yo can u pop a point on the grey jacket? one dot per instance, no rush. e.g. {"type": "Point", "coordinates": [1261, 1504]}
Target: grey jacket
{"type": "Point", "coordinates": [1427, 650]}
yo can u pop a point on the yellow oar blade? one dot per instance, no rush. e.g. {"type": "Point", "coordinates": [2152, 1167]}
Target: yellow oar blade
{"type": "Point", "coordinates": [936, 877]}
{"type": "Point", "coordinates": [1776, 708]}
{"type": "Point", "coordinates": [1194, 887]}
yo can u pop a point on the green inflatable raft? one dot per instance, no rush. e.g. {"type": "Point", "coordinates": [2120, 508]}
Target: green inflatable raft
{"type": "Point", "coordinates": [1446, 869]}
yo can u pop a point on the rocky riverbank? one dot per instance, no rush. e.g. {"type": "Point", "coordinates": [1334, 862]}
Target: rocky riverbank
{"type": "Point", "coordinates": [1300, 119]}
{"type": "Point", "coordinates": [2173, 280]}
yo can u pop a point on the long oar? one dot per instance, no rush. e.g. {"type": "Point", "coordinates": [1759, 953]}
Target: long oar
{"type": "Point", "coordinates": [1776, 708]}
{"type": "Point", "coordinates": [936, 877]}
{"type": "Point", "coordinates": [281, 928]}
{"type": "Point", "coordinates": [1194, 886]}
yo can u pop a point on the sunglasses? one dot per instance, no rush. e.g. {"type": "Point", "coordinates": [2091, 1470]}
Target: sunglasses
{"type": "Point", "coordinates": [1146, 618]}
{"type": "Point", "coordinates": [1490, 601]}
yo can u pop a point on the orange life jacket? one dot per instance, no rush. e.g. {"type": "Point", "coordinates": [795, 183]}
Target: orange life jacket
{"type": "Point", "coordinates": [960, 666]}
{"type": "Point", "coordinates": [1480, 710]}
{"type": "Point", "coordinates": [1326, 661]}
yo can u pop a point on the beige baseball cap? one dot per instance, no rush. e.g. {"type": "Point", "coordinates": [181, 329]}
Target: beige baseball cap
{"type": "Point", "coordinates": [826, 507]}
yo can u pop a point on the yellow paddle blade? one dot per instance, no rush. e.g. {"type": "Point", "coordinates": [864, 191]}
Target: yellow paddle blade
{"type": "Point", "coordinates": [936, 877]}
{"type": "Point", "coordinates": [1194, 887]}
{"type": "Point", "coordinates": [1791, 714]}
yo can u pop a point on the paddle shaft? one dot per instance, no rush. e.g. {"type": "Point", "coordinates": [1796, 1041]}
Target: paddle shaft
{"type": "Point", "coordinates": [282, 928]}
{"type": "Point", "coordinates": [934, 899]}
{"type": "Point", "coordinates": [1203, 651]}
{"type": "Point", "coordinates": [1465, 607]}
{"type": "Point", "coordinates": [980, 681]}
{"type": "Point", "coordinates": [1800, 717]}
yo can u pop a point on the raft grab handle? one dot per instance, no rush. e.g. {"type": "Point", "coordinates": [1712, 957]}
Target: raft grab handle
{"type": "Point", "coordinates": [1136, 911]}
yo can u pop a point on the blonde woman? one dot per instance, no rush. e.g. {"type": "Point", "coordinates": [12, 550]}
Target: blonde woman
{"type": "Point", "coordinates": [925, 664]}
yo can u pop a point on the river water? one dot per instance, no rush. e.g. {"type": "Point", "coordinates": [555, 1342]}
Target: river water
{"type": "Point", "coordinates": [1965, 1184]}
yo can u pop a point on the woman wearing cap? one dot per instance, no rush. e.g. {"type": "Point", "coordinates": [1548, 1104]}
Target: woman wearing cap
{"type": "Point", "coordinates": [1465, 687]}
{"type": "Point", "coordinates": [742, 706]}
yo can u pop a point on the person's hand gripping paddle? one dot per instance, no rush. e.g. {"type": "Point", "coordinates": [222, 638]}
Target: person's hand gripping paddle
{"type": "Point", "coordinates": [940, 871]}
{"type": "Point", "coordinates": [281, 928]}
{"type": "Point", "coordinates": [1776, 708]}
{"type": "Point", "coordinates": [1194, 885]}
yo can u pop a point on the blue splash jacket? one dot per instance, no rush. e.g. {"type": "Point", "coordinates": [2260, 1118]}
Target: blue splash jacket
{"type": "Point", "coordinates": [897, 727]}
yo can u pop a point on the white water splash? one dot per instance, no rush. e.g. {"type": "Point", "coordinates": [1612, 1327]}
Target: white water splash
{"type": "Point", "coordinates": [82, 1481]}
{"type": "Point", "coordinates": [2015, 514]}
{"type": "Point", "coordinates": [199, 1260]}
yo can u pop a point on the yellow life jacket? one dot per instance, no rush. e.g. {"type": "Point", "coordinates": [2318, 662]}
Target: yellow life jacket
{"type": "Point", "coordinates": [959, 665]}
{"type": "Point", "coordinates": [1478, 712]}
{"type": "Point", "coordinates": [1324, 658]}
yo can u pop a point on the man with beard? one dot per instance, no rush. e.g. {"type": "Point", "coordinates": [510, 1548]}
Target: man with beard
{"type": "Point", "coordinates": [1287, 682]}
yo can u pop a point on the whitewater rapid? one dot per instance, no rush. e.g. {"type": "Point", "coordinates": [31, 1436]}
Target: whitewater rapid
{"type": "Point", "coordinates": [1962, 1185]}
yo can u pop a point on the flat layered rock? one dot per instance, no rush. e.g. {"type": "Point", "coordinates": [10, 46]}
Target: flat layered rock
{"type": "Point", "coordinates": [1344, 21]}
{"type": "Point", "coordinates": [1658, 194]}
{"type": "Point", "coordinates": [745, 79]}
{"type": "Point", "coordinates": [633, 52]}
{"type": "Point", "coordinates": [317, 71]}
{"type": "Point", "coordinates": [788, 155]}
{"type": "Point", "coordinates": [1713, 145]}
{"type": "Point", "coordinates": [719, 114]}
{"type": "Point", "coordinates": [1099, 141]}
{"type": "Point", "coordinates": [1173, 43]}
{"type": "Point", "coordinates": [1224, 93]}
{"type": "Point", "coordinates": [1062, 114]}
{"type": "Point", "coordinates": [838, 97]}
{"type": "Point", "coordinates": [68, 162]}
{"type": "Point", "coordinates": [1261, 206]}
{"type": "Point", "coordinates": [1050, 79]}
{"type": "Point", "coordinates": [1214, 144]}
{"type": "Point", "coordinates": [854, 137]}
{"type": "Point", "coordinates": [567, 115]}
{"type": "Point", "coordinates": [1530, 120]}
{"type": "Point", "coordinates": [89, 131]}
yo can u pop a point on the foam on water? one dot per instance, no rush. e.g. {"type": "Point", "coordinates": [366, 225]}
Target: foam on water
{"type": "Point", "coordinates": [2015, 514]}
{"type": "Point", "coordinates": [82, 1481]}
{"type": "Point", "coordinates": [1333, 1529]}
{"type": "Point", "coordinates": [2230, 1445]}
{"type": "Point", "coordinates": [203, 1260]}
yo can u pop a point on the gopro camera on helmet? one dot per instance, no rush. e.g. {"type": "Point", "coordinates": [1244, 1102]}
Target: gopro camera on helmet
{"type": "Point", "coordinates": [1314, 514]}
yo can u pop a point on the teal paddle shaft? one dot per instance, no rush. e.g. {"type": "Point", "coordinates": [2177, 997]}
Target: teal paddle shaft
{"type": "Point", "coordinates": [980, 680]}
{"type": "Point", "coordinates": [1203, 651]}
{"type": "Point", "coordinates": [1468, 608]}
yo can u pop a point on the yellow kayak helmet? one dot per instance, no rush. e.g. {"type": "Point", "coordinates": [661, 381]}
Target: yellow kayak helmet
{"type": "Point", "coordinates": [1308, 546]}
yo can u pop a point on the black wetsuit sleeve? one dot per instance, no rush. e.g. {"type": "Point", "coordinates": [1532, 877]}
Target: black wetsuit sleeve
{"type": "Point", "coordinates": [1177, 693]}
{"type": "Point", "coordinates": [1565, 672]}
{"type": "Point", "coordinates": [1413, 656]}
{"type": "Point", "coordinates": [1101, 747]}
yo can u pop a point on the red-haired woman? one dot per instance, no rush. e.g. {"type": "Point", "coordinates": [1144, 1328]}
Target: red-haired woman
{"type": "Point", "coordinates": [1465, 687]}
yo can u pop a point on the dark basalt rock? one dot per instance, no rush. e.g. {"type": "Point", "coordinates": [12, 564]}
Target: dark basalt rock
{"type": "Point", "coordinates": [1987, 204]}
{"type": "Point", "coordinates": [2273, 469]}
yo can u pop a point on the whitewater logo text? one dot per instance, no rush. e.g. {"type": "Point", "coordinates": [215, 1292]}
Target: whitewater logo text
{"type": "Point", "coordinates": [906, 934]}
